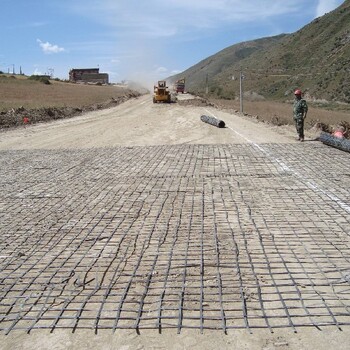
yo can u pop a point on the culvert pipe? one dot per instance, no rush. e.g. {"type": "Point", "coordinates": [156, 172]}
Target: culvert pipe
{"type": "Point", "coordinates": [213, 121]}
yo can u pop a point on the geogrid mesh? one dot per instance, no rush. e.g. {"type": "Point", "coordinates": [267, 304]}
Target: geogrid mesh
{"type": "Point", "coordinates": [190, 236]}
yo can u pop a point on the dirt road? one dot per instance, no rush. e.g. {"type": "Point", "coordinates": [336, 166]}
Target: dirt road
{"type": "Point", "coordinates": [141, 227]}
{"type": "Point", "coordinates": [139, 122]}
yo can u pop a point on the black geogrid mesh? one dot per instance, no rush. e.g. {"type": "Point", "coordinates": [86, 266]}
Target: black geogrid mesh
{"type": "Point", "coordinates": [220, 236]}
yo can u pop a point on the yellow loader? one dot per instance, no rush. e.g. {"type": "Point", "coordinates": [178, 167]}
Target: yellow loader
{"type": "Point", "coordinates": [161, 93]}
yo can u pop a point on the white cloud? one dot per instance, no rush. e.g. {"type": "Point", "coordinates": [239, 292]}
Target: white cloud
{"type": "Point", "coordinates": [37, 24]}
{"type": "Point", "coordinates": [37, 72]}
{"type": "Point", "coordinates": [157, 18]}
{"type": "Point", "coordinates": [161, 70]}
{"type": "Point", "coordinates": [325, 6]}
{"type": "Point", "coordinates": [175, 71]}
{"type": "Point", "coordinates": [49, 48]}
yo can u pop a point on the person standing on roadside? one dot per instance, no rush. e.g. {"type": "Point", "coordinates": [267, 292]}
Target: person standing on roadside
{"type": "Point", "coordinates": [299, 110]}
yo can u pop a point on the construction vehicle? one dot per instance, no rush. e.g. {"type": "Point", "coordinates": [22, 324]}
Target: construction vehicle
{"type": "Point", "coordinates": [161, 93]}
{"type": "Point", "coordinates": [180, 85]}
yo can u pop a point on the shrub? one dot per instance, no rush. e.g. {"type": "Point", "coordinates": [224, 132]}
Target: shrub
{"type": "Point", "coordinates": [41, 78]}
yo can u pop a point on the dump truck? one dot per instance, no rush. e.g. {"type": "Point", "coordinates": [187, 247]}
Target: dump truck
{"type": "Point", "coordinates": [180, 85]}
{"type": "Point", "coordinates": [161, 93]}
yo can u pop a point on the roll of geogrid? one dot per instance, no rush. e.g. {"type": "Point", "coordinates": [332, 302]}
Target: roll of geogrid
{"type": "Point", "coordinates": [213, 121]}
{"type": "Point", "coordinates": [340, 143]}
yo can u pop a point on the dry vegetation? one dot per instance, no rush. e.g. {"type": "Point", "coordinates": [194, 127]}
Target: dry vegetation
{"type": "Point", "coordinates": [23, 98]}
{"type": "Point", "coordinates": [279, 113]}
{"type": "Point", "coordinates": [17, 91]}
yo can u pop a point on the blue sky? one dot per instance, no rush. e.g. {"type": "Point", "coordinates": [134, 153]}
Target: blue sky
{"type": "Point", "coordinates": [143, 40]}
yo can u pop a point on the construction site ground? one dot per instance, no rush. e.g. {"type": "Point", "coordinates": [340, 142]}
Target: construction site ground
{"type": "Point", "coordinates": [142, 227]}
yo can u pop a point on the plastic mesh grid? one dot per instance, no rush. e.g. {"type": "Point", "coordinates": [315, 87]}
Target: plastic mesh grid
{"type": "Point", "coordinates": [190, 236]}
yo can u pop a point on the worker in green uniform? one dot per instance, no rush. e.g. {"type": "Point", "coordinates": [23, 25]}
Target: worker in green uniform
{"type": "Point", "coordinates": [299, 110]}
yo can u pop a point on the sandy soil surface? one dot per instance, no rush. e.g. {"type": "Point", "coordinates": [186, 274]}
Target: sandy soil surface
{"type": "Point", "coordinates": [188, 339]}
{"type": "Point", "coordinates": [139, 122]}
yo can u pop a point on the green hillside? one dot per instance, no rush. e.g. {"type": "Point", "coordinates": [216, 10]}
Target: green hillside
{"type": "Point", "coordinates": [315, 59]}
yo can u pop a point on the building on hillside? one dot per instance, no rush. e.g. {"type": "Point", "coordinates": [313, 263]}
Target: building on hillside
{"type": "Point", "coordinates": [88, 75]}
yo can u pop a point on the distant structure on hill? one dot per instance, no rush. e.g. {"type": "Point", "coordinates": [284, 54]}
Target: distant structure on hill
{"type": "Point", "coordinates": [88, 75]}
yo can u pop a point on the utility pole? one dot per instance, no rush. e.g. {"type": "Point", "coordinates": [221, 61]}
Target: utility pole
{"type": "Point", "coordinates": [241, 77]}
{"type": "Point", "coordinates": [206, 85]}
{"type": "Point", "coordinates": [50, 72]}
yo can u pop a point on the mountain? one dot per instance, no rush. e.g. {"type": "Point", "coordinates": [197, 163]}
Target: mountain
{"type": "Point", "coordinates": [316, 59]}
